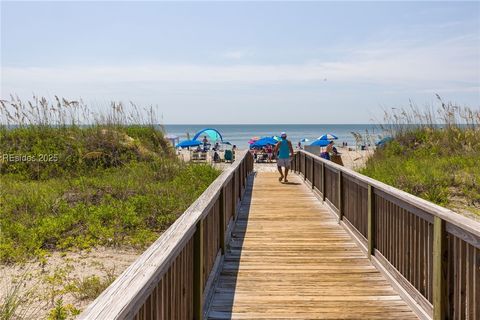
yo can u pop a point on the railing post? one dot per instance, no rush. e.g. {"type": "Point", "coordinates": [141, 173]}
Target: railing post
{"type": "Point", "coordinates": [313, 174]}
{"type": "Point", "coordinates": [323, 181]}
{"type": "Point", "coordinates": [234, 196]}
{"type": "Point", "coordinates": [305, 167]}
{"type": "Point", "coordinates": [239, 195]}
{"type": "Point", "coordinates": [340, 209]}
{"type": "Point", "coordinates": [371, 222]}
{"type": "Point", "coordinates": [295, 159]}
{"type": "Point", "coordinates": [293, 163]}
{"type": "Point", "coordinates": [297, 165]}
{"type": "Point", "coordinates": [223, 205]}
{"type": "Point", "coordinates": [439, 270]}
{"type": "Point", "coordinates": [198, 272]}
{"type": "Point", "coordinates": [241, 178]}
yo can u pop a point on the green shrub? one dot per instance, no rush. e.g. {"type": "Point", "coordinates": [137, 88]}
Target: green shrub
{"type": "Point", "coordinates": [109, 184]}
{"type": "Point", "coordinates": [436, 161]}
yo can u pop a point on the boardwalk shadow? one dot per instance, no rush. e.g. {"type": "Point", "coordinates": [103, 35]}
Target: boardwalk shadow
{"type": "Point", "coordinates": [292, 183]}
{"type": "Point", "coordinates": [221, 305]}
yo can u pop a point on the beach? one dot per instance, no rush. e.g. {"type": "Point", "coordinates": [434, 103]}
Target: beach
{"type": "Point", "coordinates": [352, 159]}
{"type": "Point", "coordinates": [240, 134]}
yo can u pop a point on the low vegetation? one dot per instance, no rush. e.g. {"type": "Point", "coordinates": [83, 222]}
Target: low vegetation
{"type": "Point", "coordinates": [68, 184]}
{"type": "Point", "coordinates": [435, 154]}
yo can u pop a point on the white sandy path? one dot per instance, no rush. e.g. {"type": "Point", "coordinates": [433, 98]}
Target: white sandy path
{"type": "Point", "coordinates": [69, 266]}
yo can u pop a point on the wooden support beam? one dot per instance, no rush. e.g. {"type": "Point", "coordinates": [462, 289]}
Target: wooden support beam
{"type": "Point", "coordinates": [198, 272]}
{"type": "Point", "coordinates": [439, 270]}
{"type": "Point", "coordinates": [234, 196]}
{"type": "Point", "coordinates": [323, 181]}
{"type": "Point", "coordinates": [304, 167]}
{"type": "Point", "coordinates": [313, 173]}
{"type": "Point", "coordinates": [222, 213]}
{"type": "Point", "coordinates": [340, 209]}
{"type": "Point", "coordinates": [371, 222]}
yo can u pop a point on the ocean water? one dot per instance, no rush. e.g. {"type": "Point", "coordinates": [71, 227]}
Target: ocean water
{"type": "Point", "coordinates": [240, 134]}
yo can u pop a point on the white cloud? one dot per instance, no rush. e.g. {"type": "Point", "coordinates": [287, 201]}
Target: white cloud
{"type": "Point", "coordinates": [237, 54]}
{"type": "Point", "coordinates": [420, 67]}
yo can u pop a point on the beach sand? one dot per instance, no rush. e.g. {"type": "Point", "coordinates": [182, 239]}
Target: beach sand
{"type": "Point", "coordinates": [42, 283]}
{"type": "Point", "coordinates": [354, 159]}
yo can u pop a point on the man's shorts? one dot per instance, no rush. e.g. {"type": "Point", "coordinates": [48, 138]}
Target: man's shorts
{"type": "Point", "coordinates": [283, 163]}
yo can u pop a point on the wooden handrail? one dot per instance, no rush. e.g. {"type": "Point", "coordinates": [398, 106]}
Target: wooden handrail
{"type": "Point", "coordinates": [130, 291]}
{"type": "Point", "coordinates": [448, 215]}
{"type": "Point", "coordinates": [429, 253]}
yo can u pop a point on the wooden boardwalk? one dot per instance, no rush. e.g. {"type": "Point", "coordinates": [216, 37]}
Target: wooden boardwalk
{"type": "Point", "coordinates": [290, 259]}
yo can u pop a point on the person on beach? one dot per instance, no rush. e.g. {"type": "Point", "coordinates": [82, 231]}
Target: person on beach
{"type": "Point", "coordinates": [284, 150]}
{"type": "Point", "coordinates": [326, 154]}
{"type": "Point", "coordinates": [330, 148]}
{"type": "Point", "coordinates": [269, 151]}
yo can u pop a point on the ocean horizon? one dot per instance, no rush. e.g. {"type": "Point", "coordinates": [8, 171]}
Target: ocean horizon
{"type": "Point", "coordinates": [240, 134]}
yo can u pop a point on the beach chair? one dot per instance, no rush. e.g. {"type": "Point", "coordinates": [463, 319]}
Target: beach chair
{"type": "Point", "coordinates": [195, 156]}
{"type": "Point", "coordinates": [337, 159]}
{"type": "Point", "coordinates": [203, 156]}
{"type": "Point", "coordinates": [262, 157]}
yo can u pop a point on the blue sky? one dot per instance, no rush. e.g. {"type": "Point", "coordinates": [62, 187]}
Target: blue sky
{"type": "Point", "coordinates": [249, 62]}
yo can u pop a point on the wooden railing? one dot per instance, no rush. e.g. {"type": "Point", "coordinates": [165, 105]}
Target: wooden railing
{"type": "Point", "coordinates": [430, 254]}
{"type": "Point", "coordinates": [172, 278]}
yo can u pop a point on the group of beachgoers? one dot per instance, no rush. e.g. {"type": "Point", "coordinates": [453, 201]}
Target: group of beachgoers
{"type": "Point", "coordinates": [283, 152]}
{"type": "Point", "coordinates": [264, 153]}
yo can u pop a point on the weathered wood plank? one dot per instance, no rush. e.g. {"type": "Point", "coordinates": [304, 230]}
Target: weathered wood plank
{"type": "Point", "coordinates": [371, 223]}
{"type": "Point", "coordinates": [289, 258]}
{"type": "Point", "coordinates": [439, 270]}
{"type": "Point", "coordinates": [129, 292]}
{"type": "Point", "coordinates": [465, 224]}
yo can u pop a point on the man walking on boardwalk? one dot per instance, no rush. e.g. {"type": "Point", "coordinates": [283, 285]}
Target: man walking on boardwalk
{"type": "Point", "coordinates": [284, 149]}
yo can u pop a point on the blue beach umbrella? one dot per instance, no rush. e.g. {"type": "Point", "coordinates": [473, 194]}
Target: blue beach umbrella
{"type": "Point", "coordinates": [320, 143]}
{"type": "Point", "coordinates": [263, 142]}
{"type": "Point", "coordinates": [328, 136]}
{"type": "Point", "coordinates": [189, 143]}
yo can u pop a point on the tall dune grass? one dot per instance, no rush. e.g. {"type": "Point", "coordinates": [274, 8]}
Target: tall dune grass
{"type": "Point", "coordinates": [72, 178]}
{"type": "Point", "coordinates": [435, 154]}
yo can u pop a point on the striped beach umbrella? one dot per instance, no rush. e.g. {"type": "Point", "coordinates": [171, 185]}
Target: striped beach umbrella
{"type": "Point", "coordinates": [328, 136]}
{"type": "Point", "coordinates": [252, 140]}
{"type": "Point", "coordinates": [320, 143]}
